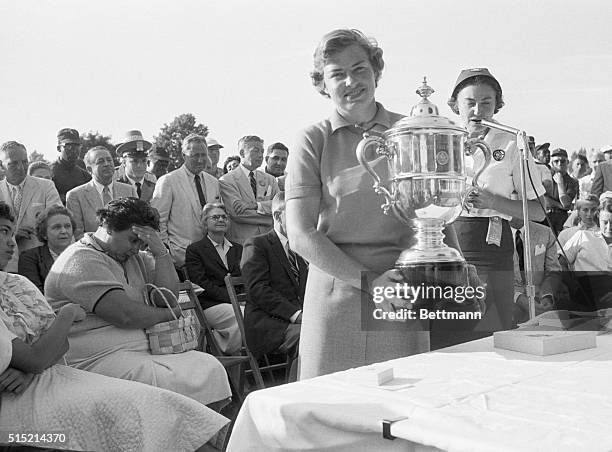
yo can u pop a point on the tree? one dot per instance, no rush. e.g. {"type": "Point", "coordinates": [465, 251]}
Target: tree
{"type": "Point", "coordinates": [171, 135]}
{"type": "Point", "coordinates": [92, 139]}
{"type": "Point", "coordinates": [35, 156]}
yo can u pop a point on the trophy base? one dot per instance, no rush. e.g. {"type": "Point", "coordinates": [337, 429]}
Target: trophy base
{"type": "Point", "coordinates": [442, 287]}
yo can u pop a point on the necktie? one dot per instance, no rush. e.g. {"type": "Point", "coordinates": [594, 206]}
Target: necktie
{"type": "Point", "coordinates": [294, 263]}
{"type": "Point", "coordinates": [17, 197]}
{"type": "Point", "coordinates": [253, 183]}
{"type": "Point", "coordinates": [138, 189]}
{"type": "Point", "coordinates": [106, 196]}
{"type": "Point", "coordinates": [199, 190]}
{"type": "Point", "coordinates": [520, 252]}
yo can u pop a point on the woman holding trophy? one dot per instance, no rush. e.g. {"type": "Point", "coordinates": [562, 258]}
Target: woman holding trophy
{"type": "Point", "coordinates": [334, 218]}
{"type": "Point", "coordinates": [483, 230]}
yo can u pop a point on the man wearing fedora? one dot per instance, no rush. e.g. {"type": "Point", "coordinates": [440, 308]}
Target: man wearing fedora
{"type": "Point", "coordinates": [180, 195]}
{"type": "Point", "coordinates": [134, 154]}
{"type": "Point", "coordinates": [158, 161]}
{"type": "Point", "coordinates": [602, 180]}
{"type": "Point", "coordinates": [85, 200]}
{"type": "Point", "coordinates": [65, 172]}
{"type": "Point", "coordinates": [214, 147]}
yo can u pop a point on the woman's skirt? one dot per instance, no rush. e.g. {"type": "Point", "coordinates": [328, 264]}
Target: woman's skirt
{"type": "Point", "coordinates": [333, 336]}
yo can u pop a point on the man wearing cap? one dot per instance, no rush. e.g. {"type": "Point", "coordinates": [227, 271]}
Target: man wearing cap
{"type": "Point", "coordinates": [65, 172]}
{"type": "Point", "coordinates": [561, 192]}
{"type": "Point", "coordinates": [276, 162]}
{"type": "Point", "coordinates": [214, 148]}
{"type": "Point", "coordinates": [542, 160]}
{"type": "Point", "coordinates": [28, 196]}
{"type": "Point", "coordinates": [132, 138]}
{"type": "Point", "coordinates": [180, 195]}
{"type": "Point", "coordinates": [247, 192]}
{"type": "Point", "coordinates": [134, 153]}
{"type": "Point", "coordinates": [85, 200]}
{"type": "Point", "coordinates": [602, 180]}
{"type": "Point", "coordinates": [158, 161]}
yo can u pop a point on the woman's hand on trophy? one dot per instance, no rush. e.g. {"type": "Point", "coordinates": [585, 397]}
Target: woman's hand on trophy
{"type": "Point", "coordinates": [480, 199]}
{"type": "Point", "coordinates": [387, 297]}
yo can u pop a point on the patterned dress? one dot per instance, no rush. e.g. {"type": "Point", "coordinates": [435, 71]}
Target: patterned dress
{"type": "Point", "coordinates": [94, 411]}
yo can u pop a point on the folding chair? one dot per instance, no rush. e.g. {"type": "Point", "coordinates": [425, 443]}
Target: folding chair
{"type": "Point", "coordinates": [238, 300]}
{"type": "Point", "coordinates": [208, 343]}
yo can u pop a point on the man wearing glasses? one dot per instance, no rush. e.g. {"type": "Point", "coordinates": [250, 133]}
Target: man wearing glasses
{"type": "Point", "coordinates": [65, 172]}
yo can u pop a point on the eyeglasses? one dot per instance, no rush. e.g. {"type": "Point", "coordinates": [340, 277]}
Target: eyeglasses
{"type": "Point", "coordinates": [218, 217]}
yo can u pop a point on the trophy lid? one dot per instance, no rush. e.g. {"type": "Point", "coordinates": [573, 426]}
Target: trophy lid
{"type": "Point", "coordinates": [424, 115]}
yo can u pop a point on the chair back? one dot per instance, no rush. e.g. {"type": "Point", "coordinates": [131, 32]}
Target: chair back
{"type": "Point", "coordinates": [238, 300]}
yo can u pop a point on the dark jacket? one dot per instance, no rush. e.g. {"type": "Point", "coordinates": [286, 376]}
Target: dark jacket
{"type": "Point", "coordinates": [206, 269]}
{"type": "Point", "coordinates": [35, 264]}
{"type": "Point", "coordinates": [274, 293]}
{"type": "Point", "coordinates": [67, 176]}
{"type": "Point", "coordinates": [146, 189]}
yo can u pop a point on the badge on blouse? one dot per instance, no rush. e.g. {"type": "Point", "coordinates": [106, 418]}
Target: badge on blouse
{"type": "Point", "coordinates": [499, 155]}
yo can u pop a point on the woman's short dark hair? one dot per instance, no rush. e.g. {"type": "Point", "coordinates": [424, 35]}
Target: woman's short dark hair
{"type": "Point", "coordinates": [231, 158]}
{"type": "Point", "coordinates": [42, 221]}
{"type": "Point", "coordinates": [5, 212]}
{"type": "Point", "coordinates": [123, 213]}
{"type": "Point", "coordinates": [335, 42]}
{"type": "Point", "coordinates": [477, 80]}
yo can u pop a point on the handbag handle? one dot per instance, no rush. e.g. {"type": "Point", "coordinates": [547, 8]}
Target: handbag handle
{"type": "Point", "coordinates": [160, 291]}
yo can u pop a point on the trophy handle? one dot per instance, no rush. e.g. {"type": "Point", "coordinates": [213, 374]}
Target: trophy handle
{"type": "Point", "coordinates": [471, 147]}
{"type": "Point", "coordinates": [381, 149]}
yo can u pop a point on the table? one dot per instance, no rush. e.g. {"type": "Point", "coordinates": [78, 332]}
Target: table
{"type": "Point", "coordinates": [470, 397]}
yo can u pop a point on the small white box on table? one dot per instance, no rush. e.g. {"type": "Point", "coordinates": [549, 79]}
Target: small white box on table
{"type": "Point", "coordinates": [543, 343]}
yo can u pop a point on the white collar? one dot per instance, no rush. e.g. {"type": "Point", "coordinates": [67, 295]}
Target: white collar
{"type": "Point", "coordinates": [226, 243]}
{"type": "Point", "coordinates": [100, 187]}
{"type": "Point", "coordinates": [247, 171]}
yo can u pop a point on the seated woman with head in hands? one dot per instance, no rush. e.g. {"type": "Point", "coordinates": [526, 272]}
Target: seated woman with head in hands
{"type": "Point", "coordinates": [55, 229]}
{"type": "Point", "coordinates": [93, 411]}
{"type": "Point", "coordinates": [106, 273]}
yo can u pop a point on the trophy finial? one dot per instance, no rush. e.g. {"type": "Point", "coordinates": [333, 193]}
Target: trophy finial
{"type": "Point", "coordinates": [424, 107]}
{"type": "Point", "coordinates": [425, 90]}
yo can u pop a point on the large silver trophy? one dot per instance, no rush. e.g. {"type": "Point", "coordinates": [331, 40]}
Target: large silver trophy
{"type": "Point", "coordinates": [428, 183]}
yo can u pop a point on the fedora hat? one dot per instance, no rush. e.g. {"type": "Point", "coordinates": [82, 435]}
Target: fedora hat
{"type": "Point", "coordinates": [133, 142]}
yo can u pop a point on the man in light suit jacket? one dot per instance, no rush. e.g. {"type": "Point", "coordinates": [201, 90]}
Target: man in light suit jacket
{"type": "Point", "coordinates": [247, 192]}
{"type": "Point", "coordinates": [547, 277]}
{"type": "Point", "coordinates": [602, 180]}
{"type": "Point", "coordinates": [28, 196]}
{"type": "Point", "coordinates": [85, 200]}
{"type": "Point", "coordinates": [180, 195]}
{"type": "Point", "coordinates": [273, 314]}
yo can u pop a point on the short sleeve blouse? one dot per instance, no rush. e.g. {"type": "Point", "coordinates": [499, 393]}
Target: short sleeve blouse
{"type": "Point", "coordinates": [23, 309]}
{"type": "Point", "coordinates": [323, 165]}
{"type": "Point", "coordinates": [84, 273]}
{"type": "Point", "coordinates": [503, 176]}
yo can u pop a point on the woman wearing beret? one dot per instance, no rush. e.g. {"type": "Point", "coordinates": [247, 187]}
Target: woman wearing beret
{"type": "Point", "coordinates": [484, 232]}
{"type": "Point", "coordinates": [334, 218]}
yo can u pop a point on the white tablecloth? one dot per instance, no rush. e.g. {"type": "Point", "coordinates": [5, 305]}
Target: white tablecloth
{"type": "Point", "coordinates": [470, 397]}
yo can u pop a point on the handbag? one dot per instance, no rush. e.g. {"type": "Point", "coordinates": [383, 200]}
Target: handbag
{"type": "Point", "coordinates": [174, 336]}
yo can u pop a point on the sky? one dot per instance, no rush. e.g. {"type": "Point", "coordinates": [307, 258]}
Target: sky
{"type": "Point", "coordinates": [241, 67]}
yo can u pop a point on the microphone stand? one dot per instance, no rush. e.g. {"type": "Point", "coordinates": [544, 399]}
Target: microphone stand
{"type": "Point", "coordinates": [521, 141]}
